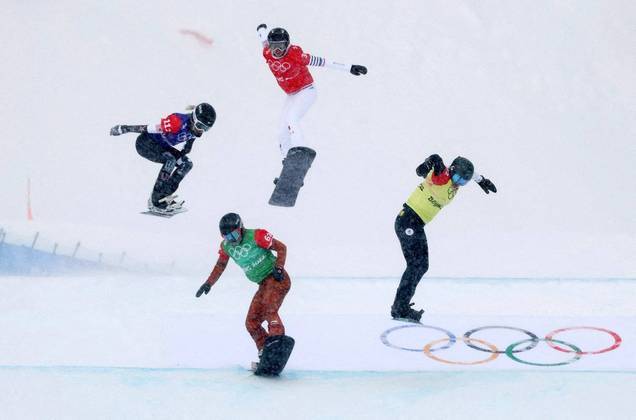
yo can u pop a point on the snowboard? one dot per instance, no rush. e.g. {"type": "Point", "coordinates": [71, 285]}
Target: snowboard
{"type": "Point", "coordinates": [295, 167]}
{"type": "Point", "coordinates": [165, 215]}
{"type": "Point", "coordinates": [276, 352]}
{"type": "Point", "coordinates": [409, 320]}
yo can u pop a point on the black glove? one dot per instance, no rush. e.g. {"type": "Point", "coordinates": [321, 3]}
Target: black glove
{"type": "Point", "coordinates": [118, 130]}
{"type": "Point", "coordinates": [262, 25]}
{"type": "Point", "coordinates": [487, 186]}
{"type": "Point", "coordinates": [357, 70]}
{"type": "Point", "coordinates": [437, 164]}
{"type": "Point", "coordinates": [205, 288]}
{"type": "Point", "coordinates": [278, 273]}
{"type": "Point", "coordinates": [433, 162]}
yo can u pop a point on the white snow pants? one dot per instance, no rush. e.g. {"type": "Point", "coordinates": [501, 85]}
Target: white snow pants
{"type": "Point", "coordinates": [296, 105]}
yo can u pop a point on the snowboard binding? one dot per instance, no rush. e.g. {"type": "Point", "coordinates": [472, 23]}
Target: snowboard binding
{"type": "Point", "coordinates": [172, 207]}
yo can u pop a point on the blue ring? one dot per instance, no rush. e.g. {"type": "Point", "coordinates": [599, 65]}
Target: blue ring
{"type": "Point", "coordinates": [384, 337]}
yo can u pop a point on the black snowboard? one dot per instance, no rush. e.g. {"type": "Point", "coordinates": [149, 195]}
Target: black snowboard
{"type": "Point", "coordinates": [295, 167]}
{"type": "Point", "coordinates": [276, 352]}
{"type": "Point", "coordinates": [166, 216]}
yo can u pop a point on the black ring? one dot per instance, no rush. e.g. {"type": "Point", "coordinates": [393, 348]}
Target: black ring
{"type": "Point", "coordinates": [534, 340]}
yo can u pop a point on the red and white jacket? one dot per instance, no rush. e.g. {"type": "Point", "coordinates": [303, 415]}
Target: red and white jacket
{"type": "Point", "coordinates": [291, 70]}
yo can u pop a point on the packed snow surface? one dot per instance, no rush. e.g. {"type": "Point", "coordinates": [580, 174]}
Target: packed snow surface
{"type": "Point", "coordinates": [134, 347]}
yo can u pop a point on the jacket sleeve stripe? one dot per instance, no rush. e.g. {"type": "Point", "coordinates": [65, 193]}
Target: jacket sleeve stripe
{"type": "Point", "coordinates": [316, 61]}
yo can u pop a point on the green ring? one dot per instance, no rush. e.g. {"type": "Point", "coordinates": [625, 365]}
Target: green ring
{"type": "Point", "coordinates": [510, 348]}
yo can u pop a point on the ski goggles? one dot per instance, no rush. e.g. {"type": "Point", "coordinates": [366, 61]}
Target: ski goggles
{"type": "Point", "coordinates": [198, 124]}
{"type": "Point", "coordinates": [233, 236]}
{"type": "Point", "coordinates": [458, 180]}
{"type": "Point", "coordinates": [278, 48]}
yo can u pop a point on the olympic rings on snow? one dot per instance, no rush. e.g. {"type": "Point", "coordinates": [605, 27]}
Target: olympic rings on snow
{"type": "Point", "coordinates": [617, 339]}
{"type": "Point", "coordinates": [385, 337]}
{"type": "Point", "coordinates": [493, 350]}
{"type": "Point", "coordinates": [511, 350]}
{"type": "Point", "coordinates": [534, 340]}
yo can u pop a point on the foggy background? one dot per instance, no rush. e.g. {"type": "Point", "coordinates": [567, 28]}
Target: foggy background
{"type": "Point", "coordinates": [539, 95]}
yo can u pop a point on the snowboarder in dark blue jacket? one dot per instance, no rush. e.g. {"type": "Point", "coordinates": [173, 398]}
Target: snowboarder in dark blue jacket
{"type": "Point", "coordinates": [156, 143]}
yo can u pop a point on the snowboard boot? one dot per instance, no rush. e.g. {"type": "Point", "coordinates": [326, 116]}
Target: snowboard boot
{"type": "Point", "coordinates": [159, 208]}
{"type": "Point", "coordinates": [406, 313]}
{"type": "Point", "coordinates": [171, 203]}
{"type": "Point", "coordinates": [166, 205]}
{"type": "Point", "coordinates": [255, 364]}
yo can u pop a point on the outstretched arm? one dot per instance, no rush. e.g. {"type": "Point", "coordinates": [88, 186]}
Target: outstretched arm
{"type": "Point", "coordinates": [170, 124]}
{"type": "Point", "coordinates": [261, 30]}
{"type": "Point", "coordinates": [118, 130]}
{"type": "Point", "coordinates": [433, 162]}
{"type": "Point", "coordinates": [218, 269]}
{"type": "Point", "coordinates": [484, 183]}
{"type": "Point", "coordinates": [354, 69]}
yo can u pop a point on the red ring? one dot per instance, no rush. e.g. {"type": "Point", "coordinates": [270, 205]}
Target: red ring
{"type": "Point", "coordinates": [617, 339]}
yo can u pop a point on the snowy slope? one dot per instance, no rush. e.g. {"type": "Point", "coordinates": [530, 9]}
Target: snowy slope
{"type": "Point", "coordinates": [539, 94]}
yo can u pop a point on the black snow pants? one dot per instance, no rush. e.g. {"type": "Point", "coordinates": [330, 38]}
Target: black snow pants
{"type": "Point", "coordinates": [175, 167]}
{"type": "Point", "coordinates": [410, 231]}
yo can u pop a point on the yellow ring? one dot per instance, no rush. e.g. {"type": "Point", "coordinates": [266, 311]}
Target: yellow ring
{"type": "Point", "coordinates": [493, 355]}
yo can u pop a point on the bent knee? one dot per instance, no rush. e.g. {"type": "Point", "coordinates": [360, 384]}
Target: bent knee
{"type": "Point", "coordinates": [185, 165]}
{"type": "Point", "coordinates": [252, 324]}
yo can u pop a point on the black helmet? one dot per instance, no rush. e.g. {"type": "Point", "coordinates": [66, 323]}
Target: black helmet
{"type": "Point", "coordinates": [203, 116]}
{"type": "Point", "coordinates": [461, 170]}
{"type": "Point", "coordinates": [278, 39]}
{"type": "Point", "coordinates": [228, 226]}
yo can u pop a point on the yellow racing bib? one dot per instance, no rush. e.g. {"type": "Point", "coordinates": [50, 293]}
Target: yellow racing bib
{"type": "Point", "coordinates": [431, 195]}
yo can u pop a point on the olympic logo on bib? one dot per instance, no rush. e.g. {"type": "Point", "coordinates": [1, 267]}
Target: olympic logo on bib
{"type": "Point", "coordinates": [512, 350]}
{"type": "Point", "coordinates": [452, 190]}
{"type": "Point", "coordinates": [279, 66]}
{"type": "Point", "coordinates": [240, 251]}
{"type": "Point", "coordinates": [184, 136]}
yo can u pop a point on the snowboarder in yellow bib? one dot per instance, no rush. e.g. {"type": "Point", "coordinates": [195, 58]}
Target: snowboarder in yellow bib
{"type": "Point", "coordinates": [438, 189]}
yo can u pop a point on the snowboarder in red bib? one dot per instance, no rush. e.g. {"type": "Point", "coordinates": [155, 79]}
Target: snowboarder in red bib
{"type": "Point", "coordinates": [438, 189]}
{"type": "Point", "coordinates": [157, 144]}
{"type": "Point", "coordinates": [252, 250]}
{"type": "Point", "coordinates": [288, 63]}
